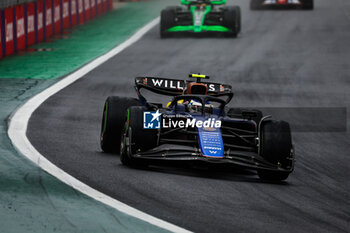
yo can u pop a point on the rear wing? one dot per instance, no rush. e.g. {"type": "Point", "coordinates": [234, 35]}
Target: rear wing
{"type": "Point", "coordinates": [175, 87]}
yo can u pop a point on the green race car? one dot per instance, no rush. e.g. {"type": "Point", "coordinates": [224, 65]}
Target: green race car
{"type": "Point", "coordinates": [199, 16]}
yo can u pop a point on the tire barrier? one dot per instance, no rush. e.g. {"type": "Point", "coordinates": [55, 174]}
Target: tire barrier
{"type": "Point", "coordinates": [1, 39]}
{"type": "Point", "coordinates": [35, 21]}
{"type": "Point", "coordinates": [80, 12]}
{"type": "Point", "coordinates": [47, 19]}
{"type": "Point", "coordinates": [7, 30]}
{"type": "Point", "coordinates": [19, 37]}
{"type": "Point", "coordinates": [29, 24]}
{"type": "Point", "coordinates": [73, 18]}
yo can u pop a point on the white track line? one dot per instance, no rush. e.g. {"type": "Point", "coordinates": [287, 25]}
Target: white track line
{"type": "Point", "coordinates": [18, 128]}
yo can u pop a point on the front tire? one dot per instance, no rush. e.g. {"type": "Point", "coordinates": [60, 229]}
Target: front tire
{"type": "Point", "coordinates": [276, 147]}
{"type": "Point", "coordinates": [238, 18]}
{"type": "Point", "coordinates": [113, 120]}
{"type": "Point", "coordinates": [232, 20]}
{"type": "Point", "coordinates": [135, 138]}
{"type": "Point", "coordinates": [167, 20]}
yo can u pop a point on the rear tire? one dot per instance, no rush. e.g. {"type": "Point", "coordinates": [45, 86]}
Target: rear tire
{"type": "Point", "coordinates": [167, 20]}
{"type": "Point", "coordinates": [308, 4]}
{"type": "Point", "coordinates": [113, 120]}
{"type": "Point", "coordinates": [135, 138]}
{"type": "Point", "coordinates": [276, 147]}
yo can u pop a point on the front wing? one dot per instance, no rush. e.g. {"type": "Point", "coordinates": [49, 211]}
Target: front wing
{"type": "Point", "coordinates": [196, 29]}
{"type": "Point", "coordinates": [178, 154]}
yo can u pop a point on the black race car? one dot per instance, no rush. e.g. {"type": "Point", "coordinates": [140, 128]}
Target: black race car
{"type": "Point", "coordinates": [268, 4]}
{"type": "Point", "coordinates": [195, 127]}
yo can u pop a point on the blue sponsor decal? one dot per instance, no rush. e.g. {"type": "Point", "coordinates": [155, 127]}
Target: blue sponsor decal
{"type": "Point", "coordinates": [210, 141]}
{"type": "Point", "coordinates": [151, 120]}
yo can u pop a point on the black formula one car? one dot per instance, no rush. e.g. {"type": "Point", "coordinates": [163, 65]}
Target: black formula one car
{"type": "Point", "coordinates": [198, 16]}
{"type": "Point", "coordinates": [270, 4]}
{"type": "Point", "coordinates": [195, 127]}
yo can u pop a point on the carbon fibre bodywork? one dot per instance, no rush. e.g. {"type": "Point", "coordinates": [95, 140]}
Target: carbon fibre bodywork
{"type": "Point", "coordinates": [239, 135]}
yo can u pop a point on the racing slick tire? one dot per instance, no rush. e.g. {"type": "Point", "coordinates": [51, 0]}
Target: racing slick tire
{"type": "Point", "coordinates": [256, 4]}
{"type": "Point", "coordinates": [167, 20]}
{"type": "Point", "coordinates": [308, 4]}
{"type": "Point", "coordinates": [239, 18]}
{"type": "Point", "coordinates": [135, 138]}
{"type": "Point", "coordinates": [113, 120]}
{"type": "Point", "coordinates": [232, 19]}
{"type": "Point", "coordinates": [238, 113]}
{"type": "Point", "coordinates": [276, 147]}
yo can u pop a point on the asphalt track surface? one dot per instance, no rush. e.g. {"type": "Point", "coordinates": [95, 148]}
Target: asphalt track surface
{"type": "Point", "coordinates": [282, 59]}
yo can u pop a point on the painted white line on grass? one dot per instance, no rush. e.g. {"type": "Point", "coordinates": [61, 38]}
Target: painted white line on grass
{"type": "Point", "coordinates": [19, 123]}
